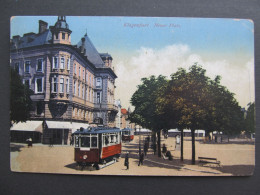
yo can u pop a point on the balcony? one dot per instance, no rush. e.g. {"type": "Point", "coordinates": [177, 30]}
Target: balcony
{"type": "Point", "coordinates": [110, 107]}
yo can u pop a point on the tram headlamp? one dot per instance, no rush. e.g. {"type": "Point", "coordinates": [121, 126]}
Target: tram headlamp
{"type": "Point", "coordinates": [85, 157]}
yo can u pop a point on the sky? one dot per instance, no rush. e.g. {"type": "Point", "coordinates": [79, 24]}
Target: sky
{"type": "Point", "coordinates": [145, 46]}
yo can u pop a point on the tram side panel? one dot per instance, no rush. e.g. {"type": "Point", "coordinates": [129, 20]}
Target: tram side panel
{"type": "Point", "coordinates": [111, 151]}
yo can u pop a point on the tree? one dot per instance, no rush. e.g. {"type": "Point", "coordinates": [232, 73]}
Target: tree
{"type": "Point", "coordinates": [250, 119]}
{"type": "Point", "coordinates": [144, 101]}
{"type": "Point", "coordinates": [192, 99]}
{"type": "Point", "coordinates": [21, 102]}
{"type": "Point", "coordinates": [225, 114]}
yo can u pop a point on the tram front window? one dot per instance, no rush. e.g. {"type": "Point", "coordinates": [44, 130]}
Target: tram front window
{"type": "Point", "coordinates": [94, 142]}
{"type": "Point", "coordinates": [85, 142]}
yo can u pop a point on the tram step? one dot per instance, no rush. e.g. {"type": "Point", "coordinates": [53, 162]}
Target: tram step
{"type": "Point", "coordinates": [107, 164]}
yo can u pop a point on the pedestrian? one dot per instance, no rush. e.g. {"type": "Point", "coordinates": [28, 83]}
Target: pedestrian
{"type": "Point", "coordinates": [29, 142]}
{"type": "Point", "coordinates": [154, 148]}
{"type": "Point", "coordinates": [71, 140]}
{"type": "Point", "coordinates": [127, 161]}
{"type": "Point", "coordinates": [145, 148]}
{"type": "Point", "coordinates": [164, 149]}
{"type": "Point", "coordinates": [51, 141]}
{"type": "Point", "coordinates": [141, 159]}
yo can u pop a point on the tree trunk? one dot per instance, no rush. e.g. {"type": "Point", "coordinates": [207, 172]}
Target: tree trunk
{"type": "Point", "coordinates": [159, 143]}
{"type": "Point", "coordinates": [193, 146]}
{"type": "Point", "coordinates": [182, 144]}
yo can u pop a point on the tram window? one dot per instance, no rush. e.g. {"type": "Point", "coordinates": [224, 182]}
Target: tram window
{"type": "Point", "coordinates": [94, 142]}
{"type": "Point", "coordinates": [76, 141]}
{"type": "Point", "coordinates": [116, 137]}
{"type": "Point", "coordinates": [111, 138]}
{"type": "Point", "coordinates": [106, 140]}
{"type": "Point", "coordinates": [85, 142]}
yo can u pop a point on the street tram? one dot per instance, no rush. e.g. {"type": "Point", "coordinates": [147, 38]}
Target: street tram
{"type": "Point", "coordinates": [97, 146]}
{"type": "Point", "coordinates": [127, 134]}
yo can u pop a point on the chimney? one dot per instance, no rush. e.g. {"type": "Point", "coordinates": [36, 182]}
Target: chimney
{"type": "Point", "coordinates": [42, 26]}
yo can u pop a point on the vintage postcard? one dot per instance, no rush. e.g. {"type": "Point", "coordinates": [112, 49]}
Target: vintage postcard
{"type": "Point", "coordinates": [146, 96]}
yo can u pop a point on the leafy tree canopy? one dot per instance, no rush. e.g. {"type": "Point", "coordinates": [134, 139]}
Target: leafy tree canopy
{"type": "Point", "coordinates": [250, 118]}
{"type": "Point", "coordinates": [21, 102]}
{"type": "Point", "coordinates": [144, 100]}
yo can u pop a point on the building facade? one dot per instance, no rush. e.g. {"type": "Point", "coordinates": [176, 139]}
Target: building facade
{"type": "Point", "coordinates": [72, 83]}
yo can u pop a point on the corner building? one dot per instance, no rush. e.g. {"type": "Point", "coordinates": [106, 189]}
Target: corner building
{"type": "Point", "coordinates": [71, 83]}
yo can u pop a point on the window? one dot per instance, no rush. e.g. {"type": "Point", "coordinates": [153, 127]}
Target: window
{"type": "Point", "coordinates": [62, 63]}
{"type": "Point", "coordinates": [63, 35]}
{"type": "Point", "coordinates": [83, 91]}
{"type": "Point", "coordinates": [75, 68]}
{"type": "Point", "coordinates": [73, 113]}
{"type": "Point", "coordinates": [27, 66]}
{"type": "Point", "coordinates": [86, 76]}
{"type": "Point", "coordinates": [67, 85]}
{"type": "Point", "coordinates": [79, 90]}
{"type": "Point", "coordinates": [54, 85]}
{"type": "Point", "coordinates": [74, 88]}
{"type": "Point", "coordinates": [83, 75]}
{"type": "Point", "coordinates": [85, 141]}
{"type": "Point", "coordinates": [56, 35]}
{"type": "Point", "coordinates": [98, 97]}
{"type": "Point", "coordinates": [89, 95]}
{"type": "Point", "coordinates": [98, 82]}
{"type": "Point", "coordinates": [86, 93]}
{"type": "Point", "coordinates": [79, 71]}
{"type": "Point", "coordinates": [68, 64]}
{"type": "Point", "coordinates": [55, 63]}
{"type": "Point", "coordinates": [90, 80]}
{"type": "Point", "coordinates": [39, 65]}
{"type": "Point", "coordinates": [27, 83]}
{"type": "Point", "coordinates": [61, 85]}
{"type": "Point", "coordinates": [78, 113]}
{"type": "Point", "coordinates": [38, 85]}
{"type": "Point", "coordinates": [16, 67]}
{"type": "Point", "coordinates": [39, 108]}
{"type": "Point", "coordinates": [93, 142]}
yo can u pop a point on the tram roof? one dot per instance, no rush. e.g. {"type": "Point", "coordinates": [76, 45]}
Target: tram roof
{"type": "Point", "coordinates": [91, 130]}
{"type": "Point", "coordinates": [127, 129]}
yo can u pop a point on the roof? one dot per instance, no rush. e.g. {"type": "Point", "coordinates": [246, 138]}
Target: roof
{"type": "Point", "coordinates": [96, 130]}
{"type": "Point", "coordinates": [105, 55]}
{"type": "Point", "coordinates": [90, 51]}
{"type": "Point", "coordinates": [31, 39]}
{"type": "Point", "coordinates": [27, 126]}
{"type": "Point", "coordinates": [123, 111]}
{"type": "Point", "coordinates": [143, 130]}
{"type": "Point", "coordinates": [127, 129]}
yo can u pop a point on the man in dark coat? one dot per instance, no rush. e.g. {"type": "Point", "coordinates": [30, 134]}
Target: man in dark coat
{"type": "Point", "coordinates": [145, 148]}
{"type": "Point", "coordinates": [141, 159]}
{"type": "Point", "coordinates": [127, 161]}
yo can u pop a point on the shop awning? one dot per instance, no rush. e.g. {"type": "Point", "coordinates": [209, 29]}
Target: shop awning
{"type": "Point", "coordinates": [143, 130]}
{"type": "Point", "coordinates": [27, 126]}
{"type": "Point", "coordinates": [59, 125]}
{"type": "Point", "coordinates": [66, 125]}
